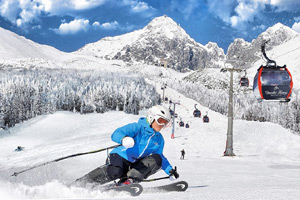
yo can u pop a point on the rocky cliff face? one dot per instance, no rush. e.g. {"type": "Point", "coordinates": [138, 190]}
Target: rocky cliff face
{"type": "Point", "coordinates": [161, 40]}
{"type": "Point", "coordinates": [246, 52]}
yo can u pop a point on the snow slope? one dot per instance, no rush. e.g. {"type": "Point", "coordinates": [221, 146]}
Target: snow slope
{"type": "Point", "coordinates": [14, 46]}
{"type": "Point", "coordinates": [266, 165]}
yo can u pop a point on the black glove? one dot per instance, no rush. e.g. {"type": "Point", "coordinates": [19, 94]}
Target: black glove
{"type": "Point", "coordinates": [173, 172]}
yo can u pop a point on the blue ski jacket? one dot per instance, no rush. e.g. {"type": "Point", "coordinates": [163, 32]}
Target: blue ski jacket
{"type": "Point", "coordinates": [146, 142]}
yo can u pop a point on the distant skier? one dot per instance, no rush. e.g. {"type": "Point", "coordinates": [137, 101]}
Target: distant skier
{"type": "Point", "coordinates": [182, 154]}
{"type": "Point", "coordinates": [140, 155]}
{"type": "Point", "coordinates": [19, 148]}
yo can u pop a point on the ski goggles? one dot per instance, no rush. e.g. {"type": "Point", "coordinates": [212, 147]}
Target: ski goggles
{"type": "Point", "coordinates": [161, 121]}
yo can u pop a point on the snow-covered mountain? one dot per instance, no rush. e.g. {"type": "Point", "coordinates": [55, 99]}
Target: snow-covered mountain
{"type": "Point", "coordinates": [161, 39]}
{"type": "Point", "coordinates": [247, 52]}
{"type": "Point", "coordinates": [19, 52]}
{"type": "Point", "coordinates": [13, 46]}
{"type": "Point", "coordinates": [282, 47]}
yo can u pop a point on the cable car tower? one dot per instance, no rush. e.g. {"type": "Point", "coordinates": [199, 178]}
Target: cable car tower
{"type": "Point", "coordinates": [229, 142]}
{"type": "Point", "coordinates": [272, 82]}
{"type": "Point", "coordinates": [174, 115]}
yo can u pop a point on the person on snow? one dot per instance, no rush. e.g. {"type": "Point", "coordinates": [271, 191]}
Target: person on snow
{"type": "Point", "coordinates": [140, 154]}
{"type": "Point", "coordinates": [182, 154]}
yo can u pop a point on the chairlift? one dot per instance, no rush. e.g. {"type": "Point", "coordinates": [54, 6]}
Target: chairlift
{"type": "Point", "coordinates": [272, 82]}
{"type": "Point", "coordinates": [187, 125]}
{"type": "Point", "coordinates": [206, 118]}
{"type": "Point", "coordinates": [197, 112]}
{"type": "Point", "coordinates": [181, 124]}
{"type": "Point", "coordinates": [244, 81]}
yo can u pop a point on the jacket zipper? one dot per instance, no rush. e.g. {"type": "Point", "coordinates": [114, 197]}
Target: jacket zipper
{"type": "Point", "coordinates": [146, 146]}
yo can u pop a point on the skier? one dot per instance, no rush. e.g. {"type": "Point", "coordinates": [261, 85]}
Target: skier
{"type": "Point", "coordinates": [140, 154]}
{"type": "Point", "coordinates": [182, 154]}
{"type": "Point", "coordinates": [19, 148]}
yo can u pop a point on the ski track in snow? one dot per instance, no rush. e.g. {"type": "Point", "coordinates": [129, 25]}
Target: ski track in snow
{"type": "Point", "coordinates": [266, 165]}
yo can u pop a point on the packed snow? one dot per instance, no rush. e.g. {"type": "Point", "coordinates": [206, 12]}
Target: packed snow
{"type": "Point", "coordinates": [266, 165]}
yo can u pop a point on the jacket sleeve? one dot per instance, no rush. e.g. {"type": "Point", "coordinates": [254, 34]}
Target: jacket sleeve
{"type": "Point", "coordinates": [166, 166]}
{"type": "Point", "coordinates": [128, 130]}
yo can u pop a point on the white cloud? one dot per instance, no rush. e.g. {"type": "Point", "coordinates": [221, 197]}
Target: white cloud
{"type": "Point", "coordinates": [20, 12]}
{"type": "Point", "coordinates": [259, 27]}
{"type": "Point", "coordinates": [297, 19]}
{"type": "Point", "coordinates": [9, 9]}
{"type": "Point", "coordinates": [296, 27]}
{"type": "Point", "coordinates": [73, 27]}
{"type": "Point", "coordinates": [96, 24]}
{"type": "Point", "coordinates": [138, 6]}
{"type": "Point", "coordinates": [57, 7]}
{"type": "Point", "coordinates": [222, 9]}
{"type": "Point", "coordinates": [246, 12]}
{"type": "Point", "coordinates": [237, 13]}
{"type": "Point", "coordinates": [110, 25]}
{"type": "Point", "coordinates": [78, 25]}
{"type": "Point", "coordinates": [187, 7]}
{"type": "Point", "coordinates": [285, 5]}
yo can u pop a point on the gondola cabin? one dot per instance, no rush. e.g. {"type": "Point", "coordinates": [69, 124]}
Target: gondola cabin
{"type": "Point", "coordinates": [244, 82]}
{"type": "Point", "coordinates": [205, 119]}
{"type": "Point", "coordinates": [181, 124]}
{"type": "Point", "coordinates": [273, 83]}
{"type": "Point", "coordinates": [197, 113]}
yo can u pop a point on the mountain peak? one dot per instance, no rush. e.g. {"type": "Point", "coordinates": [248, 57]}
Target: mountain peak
{"type": "Point", "coordinates": [279, 30]}
{"type": "Point", "coordinates": [161, 39]}
{"type": "Point", "coordinates": [166, 26]}
{"type": "Point", "coordinates": [162, 20]}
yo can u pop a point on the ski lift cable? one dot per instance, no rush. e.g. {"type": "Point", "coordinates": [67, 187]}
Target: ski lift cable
{"type": "Point", "coordinates": [288, 52]}
{"type": "Point", "coordinates": [265, 59]}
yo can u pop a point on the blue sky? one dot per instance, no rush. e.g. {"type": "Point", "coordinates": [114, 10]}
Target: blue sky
{"type": "Point", "coordinates": [70, 24]}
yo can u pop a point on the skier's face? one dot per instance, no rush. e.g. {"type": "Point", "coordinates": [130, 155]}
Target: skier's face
{"type": "Point", "coordinates": [156, 126]}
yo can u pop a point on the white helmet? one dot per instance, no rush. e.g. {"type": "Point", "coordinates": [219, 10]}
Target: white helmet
{"type": "Point", "coordinates": [157, 112]}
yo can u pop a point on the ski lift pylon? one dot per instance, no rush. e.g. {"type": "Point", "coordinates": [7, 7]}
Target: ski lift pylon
{"type": "Point", "coordinates": [272, 82]}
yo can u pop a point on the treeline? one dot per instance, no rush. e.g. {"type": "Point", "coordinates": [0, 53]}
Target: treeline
{"type": "Point", "coordinates": [24, 94]}
{"type": "Point", "coordinates": [245, 105]}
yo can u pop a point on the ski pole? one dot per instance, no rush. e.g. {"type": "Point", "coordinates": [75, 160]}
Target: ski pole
{"type": "Point", "coordinates": [62, 158]}
{"type": "Point", "coordinates": [155, 179]}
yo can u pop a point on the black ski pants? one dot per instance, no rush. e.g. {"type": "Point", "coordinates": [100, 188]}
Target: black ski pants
{"type": "Point", "coordinates": [120, 168]}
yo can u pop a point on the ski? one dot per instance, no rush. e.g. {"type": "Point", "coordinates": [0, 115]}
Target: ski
{"type": "Point", "coordinates": [133, 189]}
{"type": "Point", "coordinates": [180, 186]}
